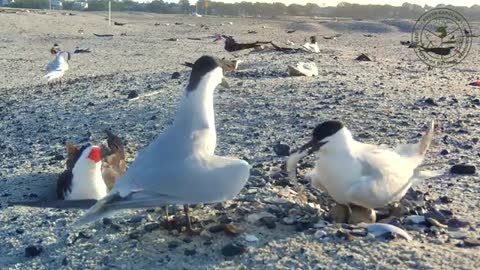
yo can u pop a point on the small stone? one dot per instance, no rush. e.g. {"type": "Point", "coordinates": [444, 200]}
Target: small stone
{"type": "Point", "coordinates": [175, 75]}
{"type": "Point", "coordinates": [463, 169]}
{"type": "Point", "coordinates": [152, 226]}
{"type": "Point", "coordinates": [231, 230]}
{"type": "Point", "coordinates": [444, 152]}
{"type": "Point", "coordinates": [437, 215]}
{"type": "Point", "coordinates": [470, 242]}
{"type": "Point", "coordinates": [65, 261]}
{"type": "Point", "coordinates": [233, 250]}
{"type": "Point", "coordinates": [457, 235]}
{"type": "Point", "coordinates": [320, 234]}
{"type": "Point", "coordinates": [456, 224]}
{"type": "Point", "coordinates": [33, 251]}
{"type": "Point", "coordinates": [253, 218]}
{"type": "Point", "coordinates": [415, 219]}
{"type": "Point", "coordinates": [134, 235]}
{"type": "Point", "coordinates": [251, 238]}
{"type": "Point", "coordinates": [216, 228]}
{"type": "Point", "coordinates": [90, 104]}
{"type": "Point", "coordinates": [173, 244]}
{"type": "Point", "coordinates": [58, 157]}
{"type": "Point", "coordinates": [445, 199]}
{"type": "Point", "coordinates": [430, 101]}
{"type": "Point", "coordinates": [290, 220]}
{"type": "Point", "coordinates": [190, 252]}
{"type": "Point", "coordinates": [132, 94]}
{"type": "Point", "coordinates": [107, 221]}
{"type": "Point", "coordinates": [20, 231]}
{"type": "Point", "coordinates": [269, 222]}
{"type": "Point", "coordinates": [282, 150]}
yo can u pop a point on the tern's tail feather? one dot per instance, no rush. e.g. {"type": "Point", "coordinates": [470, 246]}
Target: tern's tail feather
{"type": "Point", "coordinates": [420, 148]}
{"type": "Point", "coordinates": [292, 161]}
{"type": "Point", "coordinates": [56, 74]}
{"type": "Point", "coordinates": [113, 202]}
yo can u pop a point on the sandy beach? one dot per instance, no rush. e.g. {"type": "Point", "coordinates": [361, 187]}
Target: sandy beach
{"type": "Point", "coordinates": [387, 101]}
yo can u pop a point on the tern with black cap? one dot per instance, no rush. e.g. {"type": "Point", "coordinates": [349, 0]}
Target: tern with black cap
{"type": "Point", "coordinates": [359, 174]}
{"type": "Point", "coordinates": [179, 166]}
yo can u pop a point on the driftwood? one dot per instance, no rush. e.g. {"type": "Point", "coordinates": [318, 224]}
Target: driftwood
{"type": "Point", "coordinates": [119, 24]}
{"type": "Point", "coordinates": [438, 50]}
{"type": "Point", "coordinates": [102, 35]}
{"type": "Point", "coordinates": [231, 45]}
{"type": "Point", "coordinates": [193, 38]}
{"type": "Point", "coordinates": [78, 50]}
{"type": "Point", "coordinates": [285, 50]}
{"type": "Point", "coordinates": [171, 39]}
{"type": "Point", "coordinates": [291, 31]}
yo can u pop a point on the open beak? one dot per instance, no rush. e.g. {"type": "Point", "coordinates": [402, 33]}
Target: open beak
{"type": "Point", "coordinates": [311, 147]}
{"type": "Point", "coordinates": [307, 149]}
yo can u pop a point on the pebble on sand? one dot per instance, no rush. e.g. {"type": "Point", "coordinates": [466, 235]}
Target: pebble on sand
{"type": "Point", "coordinates": [33, 251]}
{"type": "Point", "coordinates": [233, 250]}
{"type": "Point", "coordinates": [463, 169]}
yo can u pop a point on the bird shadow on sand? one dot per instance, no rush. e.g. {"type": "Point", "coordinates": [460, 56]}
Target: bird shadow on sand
{"type": "Point", "coordinates": [28, 187]}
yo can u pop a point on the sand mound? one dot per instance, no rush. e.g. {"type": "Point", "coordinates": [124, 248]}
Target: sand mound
{"type": "Point", "coordinates": [359, 26]}
{"type": "Point", "coordinates": [405, 26]}
{"type": "Point", "coordinates": [305, 27]}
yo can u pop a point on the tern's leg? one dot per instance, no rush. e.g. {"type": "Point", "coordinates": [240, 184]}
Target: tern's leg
{"type": "Point", "coordinates": [359, 214]}
{"type": "Point", "coordinates": [189, 229]}
{"type": "Point", "coordinates": [168, 222]}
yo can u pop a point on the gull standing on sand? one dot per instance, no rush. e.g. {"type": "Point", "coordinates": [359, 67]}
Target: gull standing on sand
{"type": "Point", "coordinates": [58, 66]}
{"type": "Point", "coordinates": [179, 166]}
{"type": "Point", "coordinates": [359, 174]}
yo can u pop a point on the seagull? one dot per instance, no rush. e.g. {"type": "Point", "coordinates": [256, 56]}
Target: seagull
{"type": "Point", "coordinates": [114, 164]}
{"type": "Point", "coordinates": [359, 174]}
{"type": "Point", "coordinates": [58, 66]}
{"type": "Point", "coordinates": [311, 46]}
{"type": "Point", "coordinates": [82, 180]}
{"type": "Point", "coordinates": [179, 166]}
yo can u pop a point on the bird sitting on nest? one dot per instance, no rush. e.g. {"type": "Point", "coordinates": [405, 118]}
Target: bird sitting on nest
{"type": "Point", "coordinates": [360, 177]}
{"type": "Point", "coordinates": [311, 46]}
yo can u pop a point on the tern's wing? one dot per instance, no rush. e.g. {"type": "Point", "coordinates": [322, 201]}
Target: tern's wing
{"type": "Point", "coordinates": [386, 176]}
{"type": "Point", "coordinates": [204, 179]}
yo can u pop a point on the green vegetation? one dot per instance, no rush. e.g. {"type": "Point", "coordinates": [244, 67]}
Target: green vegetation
{"type": "Point", "coordinates": [355, 11]}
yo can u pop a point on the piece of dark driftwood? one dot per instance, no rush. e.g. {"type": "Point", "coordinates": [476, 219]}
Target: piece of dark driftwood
{"type": "Point", "coordinates": [102, 35]}
{"type": "Point", "coordinates": [231, 45]}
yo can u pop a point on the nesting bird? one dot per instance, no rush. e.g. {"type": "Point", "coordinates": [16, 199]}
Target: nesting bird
{"type": "Point", "coordinates": [359, 174]}
{"type": "Point", "coordinates": [311, 46]}
{"type": "Point", "coordinates": [82, 179]}
{"type": "Point", "coordinates": [179, 166]}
